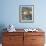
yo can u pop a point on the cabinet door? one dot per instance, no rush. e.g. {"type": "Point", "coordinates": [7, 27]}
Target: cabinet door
{"type": "Point", "coordinates": [27, 40]}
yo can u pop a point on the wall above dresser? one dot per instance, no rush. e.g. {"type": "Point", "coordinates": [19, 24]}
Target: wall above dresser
{"type": "Point", "coordinates": [9, 13]}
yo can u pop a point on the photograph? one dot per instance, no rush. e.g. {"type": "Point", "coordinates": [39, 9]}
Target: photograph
{"type": "Point", "coordinates": [26, 13]}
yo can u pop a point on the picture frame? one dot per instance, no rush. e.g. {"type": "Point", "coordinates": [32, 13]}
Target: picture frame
{"type": "Point", "coordinates": [26, 13]}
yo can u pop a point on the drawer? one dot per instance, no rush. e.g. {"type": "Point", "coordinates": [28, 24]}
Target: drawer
{"type": "Point", "coordinates": [37, 44]}
{"type": "Point", "coordinates": [37, 39]}
{"type": "Point", "coordinates": [12, 39]}
{"type": "Point", "coordinates": [14, 44]}
{"type": "Point", "coordinates": [34, 39]}
{"type": "Point", "coordinates": [27, 41]}
{"type": "Point", "coordinates": [34, 33]}
{"type": "Point", "coordinates": [8, 45]}
{"type": "Point", "coordinates": [13, 33]}
{"type": "Point", "coordinates": [27, 37]}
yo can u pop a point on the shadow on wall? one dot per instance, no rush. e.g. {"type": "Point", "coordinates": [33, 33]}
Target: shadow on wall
{"type": "Point", "coordinates": [2, 26]}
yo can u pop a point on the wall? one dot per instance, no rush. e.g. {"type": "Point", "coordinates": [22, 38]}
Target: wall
{"type": "Point", "coordinates": [10, 13]}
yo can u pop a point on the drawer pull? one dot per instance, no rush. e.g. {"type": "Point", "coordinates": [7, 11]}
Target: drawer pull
{"type": "Point", "coordinates": [33, 39]}
{"type": "Point", "coordinates": [10, 38]}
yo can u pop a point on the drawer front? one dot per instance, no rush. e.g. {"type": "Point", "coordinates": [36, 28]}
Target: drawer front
{"type": "Point", "coordinates": [13, 33]}
{"type": "Point", "coordinates": [34, 33]}
{"type": "Point", "coordinates": [37, 45]}
{"type": "Point", "coordinates": [12, 44]}
{"type": "Point", "coordinates": [27, 41]}
{"type": "Point", "coordinates": [37, 39]}
{"type": "Point", "coordinates": [12, 39]}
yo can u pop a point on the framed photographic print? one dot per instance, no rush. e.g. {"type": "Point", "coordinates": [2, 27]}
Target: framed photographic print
{"type": "Point", "coordinates": [26, 13]}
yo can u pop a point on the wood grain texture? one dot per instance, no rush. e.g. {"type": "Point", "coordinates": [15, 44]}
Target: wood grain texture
{"type": "Point", "coordinates": [23, 38]}
{"type": "Point", "coordinates": [34, 39]}
{"type": "Point", "coordinates": [13, 39]}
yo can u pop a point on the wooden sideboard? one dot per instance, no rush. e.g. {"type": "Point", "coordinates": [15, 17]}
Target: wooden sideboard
{"type": "Point", "coordinates": [23, 38]}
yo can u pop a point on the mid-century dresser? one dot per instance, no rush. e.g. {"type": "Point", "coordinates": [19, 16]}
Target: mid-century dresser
{"type": "Point", "coordinates": [21, 38]}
